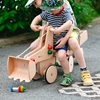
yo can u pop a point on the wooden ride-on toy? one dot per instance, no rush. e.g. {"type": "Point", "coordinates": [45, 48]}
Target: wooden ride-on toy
{"type": "Point", "coordinates": [39, 62]}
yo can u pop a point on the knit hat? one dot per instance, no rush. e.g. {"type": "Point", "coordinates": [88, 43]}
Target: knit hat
{"type": "Point", "coordinates": [29, 3]}
{"type": "Point", "coordinates": [51, 4]}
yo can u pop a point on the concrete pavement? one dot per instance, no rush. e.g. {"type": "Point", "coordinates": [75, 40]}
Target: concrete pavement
{"type": "Point", "coordinates": [16, 39]}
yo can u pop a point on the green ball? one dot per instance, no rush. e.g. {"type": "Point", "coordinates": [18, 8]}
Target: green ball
{"type": "Point", "coordinates": [56, 64]}
{"type": "Point", "coordinates": [49, 51]}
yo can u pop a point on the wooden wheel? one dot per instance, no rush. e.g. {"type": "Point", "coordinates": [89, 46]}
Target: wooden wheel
{"type": "Point", "coordinates": [71, 63]}
{"type": "Point", "coordinates": [51, 74]}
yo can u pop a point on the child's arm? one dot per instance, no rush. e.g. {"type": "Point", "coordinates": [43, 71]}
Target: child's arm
{"type": "Point", "coordinates": [34, 23]}
{"type": "Point", "coordinates": [35, 27]}
{"type": "Point", "coordinates": [63, 41]}
{"type": "Point", "coordinates": [62, 28]}
{"type": "Point", "coordinates": [69, 32]}
{"type": "Point", "coordinates": [66, 26]}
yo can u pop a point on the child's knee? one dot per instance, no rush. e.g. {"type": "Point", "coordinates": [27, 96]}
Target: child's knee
{"type": "Point", "coordinates": [73, 43]}
{"type": "Point", "coordinates": [33, 46]}
{"type": "Point", "coordinates": [62, 56]}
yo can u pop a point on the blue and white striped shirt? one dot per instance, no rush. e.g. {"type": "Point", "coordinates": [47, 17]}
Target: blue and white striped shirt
{"type": "Point", "coordinates": [57, 21]}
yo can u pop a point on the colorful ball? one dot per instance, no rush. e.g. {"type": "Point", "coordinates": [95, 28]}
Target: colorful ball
{"type": "Point", "coordinates": [49, 47]}
{"type": "Point", "coordinates": [21, 88]}
{"type": "Point", "coordinates": [49, 51]}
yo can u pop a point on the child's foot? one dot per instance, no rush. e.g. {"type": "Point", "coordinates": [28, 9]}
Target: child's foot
{"type": "Point", "coordinates": [86, 78]}
{"type": "Point", "coordinates": [67, 80]}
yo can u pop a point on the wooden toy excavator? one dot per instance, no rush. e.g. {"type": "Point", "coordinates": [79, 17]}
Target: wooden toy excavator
{"type": "Point", "coordinates": [42, 61]}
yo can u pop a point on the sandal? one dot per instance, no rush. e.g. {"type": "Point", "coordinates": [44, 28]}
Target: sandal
{"type": "Point", "coordinates": [86, 78]}
{"type": "Point", "coordinates": [67, 80]}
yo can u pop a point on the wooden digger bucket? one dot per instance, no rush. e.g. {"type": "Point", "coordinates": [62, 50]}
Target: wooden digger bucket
{"type": "Point", "coordinates": [22, 69]}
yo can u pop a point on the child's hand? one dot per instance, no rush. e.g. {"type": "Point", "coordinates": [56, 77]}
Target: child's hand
{"type": "Point", "coordinates": [61, 42]}
{"type": "Point", "coordinates": [56, 31]}
{"type": "Point", "coordinates": [36, 28]}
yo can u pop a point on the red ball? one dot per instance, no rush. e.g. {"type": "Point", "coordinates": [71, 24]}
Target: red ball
{"type": "Point", "coordinates": [67, 55]}
{"type": "Point", "coordinates": [32, 59]}
{"type": "Point", "coordinates": [49, 46]}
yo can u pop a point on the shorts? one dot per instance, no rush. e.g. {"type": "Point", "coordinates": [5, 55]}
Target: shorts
{"type": "Point", "coordinates": [65, 47]}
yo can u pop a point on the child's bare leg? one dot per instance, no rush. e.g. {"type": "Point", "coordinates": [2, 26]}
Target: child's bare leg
{"type": "Point", "coordinates": [85, 74]}
{"type": "Point", "coordinates": [67, 78]}
{"type": "Point", "coordinates": [34, 44]}
{"type": "Point", "coordinates": [77, 51]}
{"type": "Point", "coordinates": [63, 60]}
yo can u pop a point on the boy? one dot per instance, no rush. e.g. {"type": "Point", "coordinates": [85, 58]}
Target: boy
{"type": "Point", "coordinates": [62, 22]}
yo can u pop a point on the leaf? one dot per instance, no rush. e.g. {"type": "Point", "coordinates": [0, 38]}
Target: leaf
{"type": "Point", "coordinates": [6, 15]}
{"type": "Point", "coordinates": [9, 26]}
{"type": "Point", "coordinates": [21, 24]}
{"type": "Point", "coordinates": [2, 27]}
{"type": "Point", "coordinates": [1, 20]}
{"type": "Point", "coordinates": [5, 2]}
{"type": "Point", "coordinates": [15, 27]}
{"type": "Point", "coordinates": [12, 13]}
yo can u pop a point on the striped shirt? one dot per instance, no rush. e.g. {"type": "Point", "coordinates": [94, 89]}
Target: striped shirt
{"type": "Point", "coordinates": [57, 21]}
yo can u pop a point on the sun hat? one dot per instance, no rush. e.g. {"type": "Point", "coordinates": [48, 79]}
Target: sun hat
{"type": "Point", "coordinates": [51, 4]}
{"type": "Point", "coordinates": [47, 4]}
{"type": "Point", "coordinates": [29, 3]}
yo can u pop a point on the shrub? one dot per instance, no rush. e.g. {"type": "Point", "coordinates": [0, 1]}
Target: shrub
{"type": "Point", "coordinates": [96, 5]}
{"type": "Point", "coordinates": [15, 18]}
{"type": "Point", "coordinates": [83, 11]}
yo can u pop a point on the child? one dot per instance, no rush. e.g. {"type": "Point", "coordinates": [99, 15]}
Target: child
{"type": "Point", "coordinates": [38, 4]}
{"type": "Point", "coordinates": [61, 20]}
{"type": "Point", "coordinates": [69, 8]}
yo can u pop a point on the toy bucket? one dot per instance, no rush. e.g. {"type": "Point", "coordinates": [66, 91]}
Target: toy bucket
{"type": "Point", "coordinates": [22, 69]}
